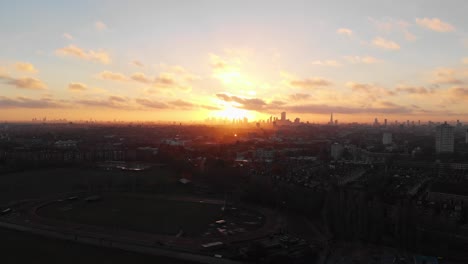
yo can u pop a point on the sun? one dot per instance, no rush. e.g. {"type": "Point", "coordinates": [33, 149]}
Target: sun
{"type": "Point", "coordinates": [231, 112]}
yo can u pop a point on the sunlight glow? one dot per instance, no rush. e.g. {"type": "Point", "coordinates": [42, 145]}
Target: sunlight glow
{"type": "Point", "coordinates": [231, 112]}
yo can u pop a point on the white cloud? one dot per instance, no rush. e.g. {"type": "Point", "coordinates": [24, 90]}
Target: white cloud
{"type": "Point", "coordinates": [91, 55]}
{"type": "Point", "coordinates": [77, 86]}
{"type": "Point", "coordinates": [344, 31]}
{"type": "Point", "coordinates": [388, 24]}
{"type": "Point", "coordinates": [435, 24]}
{"type": "Point", "coordinates": [113, 76]}
{"type": "Point", "coordinates": [385, 44]}
{"type": "Point", "coordinates": [26, 83]}
{"type": "Point", "coordinates": [25, 67]}
{"type": "Point", "coordinates": [140, 77]}
{"type": "Point", "coordinates": [137, 63]}
{"type": "Point", "coordinates": [67, 36]}
{"type": "Point", "coordinates": [100, 25]}
{"type": "Point", "coordinates": [331, 63]}
{"type": "Point", "coordinates": [409, 36]}
{"type": "Point", "coordinates": [364, 59]}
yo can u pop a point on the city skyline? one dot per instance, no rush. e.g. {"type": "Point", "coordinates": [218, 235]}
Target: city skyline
{"type": "Point", "coordinates": [162, 61]}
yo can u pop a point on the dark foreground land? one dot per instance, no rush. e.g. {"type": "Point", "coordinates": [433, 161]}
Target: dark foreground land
{"type": "Point", "coordinates": [17, 247]}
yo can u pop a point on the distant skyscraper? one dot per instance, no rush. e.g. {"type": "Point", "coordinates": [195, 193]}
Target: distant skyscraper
{"type": "Point", "coordinates": [445, 138]}
{"type": "Point", "coordinates": [376, 122]}
{"type": "Point", "coordinates": [331, 119]}
{"type": "Point", "coordinates": [385, 122]}
{"type": "Point", "coordinates": [283, 116]}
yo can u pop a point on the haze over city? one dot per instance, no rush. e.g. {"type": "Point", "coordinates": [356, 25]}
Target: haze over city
{"type": "Point", "coordinates": [187, 61]}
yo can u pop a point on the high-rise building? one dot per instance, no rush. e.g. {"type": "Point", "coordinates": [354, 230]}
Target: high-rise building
{"type": "Point", "coordinates": [331, 119]}
{"type": "Point", "coordinates": [387, 138]}
{"type": "Point", "coordinates": [336, 151]}
{"type": "Point", "coordinates": [445, 138]}
{"type": "Point", "coordinates": [283, 116]}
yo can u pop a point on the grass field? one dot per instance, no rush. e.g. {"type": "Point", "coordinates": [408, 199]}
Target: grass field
{"type": "Point", "coordinates": [17, 247]}
{"type": "Point", "coordinates": [45, 182]}
{"type": "Point", "coordinates": [143, 214]}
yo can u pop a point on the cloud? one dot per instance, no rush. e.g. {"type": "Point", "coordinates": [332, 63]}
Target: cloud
{"type": "Point", "coordinates": [360, 87]}
{"type": "Point", "coordinates": [326, 109]}
{"type": "Point", "coordinates": [164, 80]}
{"type": "Point", "coordinates": [167, 80]}
{"type": "Point", "coordinates": [77, 86]}
{"type": "Point", "coordinates": [67, 36]}
{"type": "Point", "coordinates": [409, 36]}
{"type": "Point", "coordinates": [344, 31]}
{"type": "Point", "coordinates": [140, 77]}
{"type": "Point", "coordinates": [137, 63]}
{"type": "Point", "coordinates": [25, 67]}
{"type": "Point", "coordinates": [331, 63]}
{"type": "Point", "coordinates": [299, 96]}
{"type": "Point", "coordinates": [459, 92]}
{"type": "Point", "coordinates": [113, 76]}
{"type": "Point", "coordinates": [412, 90]}
{"type": "Point", "coordinates": [182, 104]}
{"type": "Point", "coordinates": [217, 62]}
{"type": "Point", "coordinates": [90, 55]}
{"type": "Point", "coordinates": [117, 99]}
{"type": "Point", "coordinates": [364, 59]}
{"type": "Point", "coordinates": [372, 91]}
{"type": "Point", "coordinates": [115, 102]}
{"type": "Point", "coordinates": [209, 107]}
{"type": "Point", "coordinates": [434, 24]}
{"type": "Point", "coordinates": [176, 79]}
{"type": "Point", "coordinates": [310, 83]}
{"type": "Point", "coordinates": [385, 44]}
{"type": "Point", "coordinates": [151, 104]}
{"type": "Point", "coordinates": [446, 76]}
{"type": "Point", "coordinates": [389, 24]}
{"type": "Point", "coordinates": [465, 60]}
{"type": "Point", "coordinates": [23, 102]}
{"type": "Point", "coordinates": [100, 26]}
{"type": "Point", "coordinates": [26, 83]}
{"type": "Point", "coordinates": [176, 104]}
{"type": "Point", "coordinates": [245, 103]}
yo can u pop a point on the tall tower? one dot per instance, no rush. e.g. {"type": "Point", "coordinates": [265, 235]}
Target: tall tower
{"type": "Point", "coordinates": [283, 116]}
{"type": "Point", "coordinates": [445, 138]}
{"type": "Point", "coordinates": [331, 119]}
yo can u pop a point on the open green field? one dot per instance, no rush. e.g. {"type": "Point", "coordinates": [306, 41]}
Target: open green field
{"type": "Point", "coordinates": [137, 213]}
{"type": "Point", "coordinates": [42, 183]}
{"type": "Point", "coordinates": [17, 247]}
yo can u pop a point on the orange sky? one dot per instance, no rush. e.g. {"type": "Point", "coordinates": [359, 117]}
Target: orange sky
{"type": "Point", "coordinates": [187, 61]}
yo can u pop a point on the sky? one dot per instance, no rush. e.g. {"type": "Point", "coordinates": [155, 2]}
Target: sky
{"type": "Point", "coordinates": [190, 60]}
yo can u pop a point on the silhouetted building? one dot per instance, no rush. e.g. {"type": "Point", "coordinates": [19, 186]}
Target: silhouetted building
{"type": "Point", "coordinates": [445, 138]}
{"type": "Point", "coordinates": [336, 151]}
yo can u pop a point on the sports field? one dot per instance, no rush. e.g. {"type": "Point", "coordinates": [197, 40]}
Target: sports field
{"type": "Point", "coordinates": [142, 214]}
